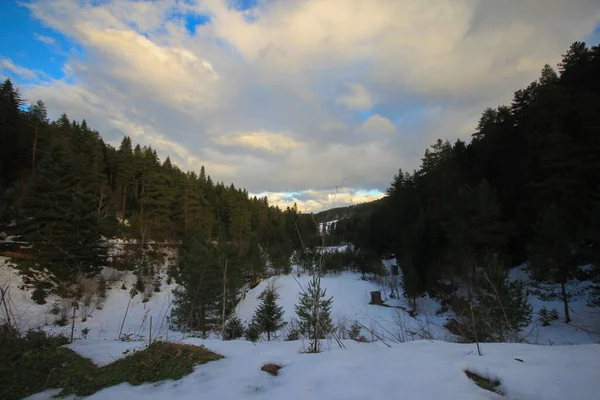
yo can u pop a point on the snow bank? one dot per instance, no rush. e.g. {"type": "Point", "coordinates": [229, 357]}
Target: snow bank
{"type": "Point", "coordinates": [414, 370]}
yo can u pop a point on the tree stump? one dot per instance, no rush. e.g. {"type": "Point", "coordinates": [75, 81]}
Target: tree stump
{"type": "Point", "coordinates": [376, 298]}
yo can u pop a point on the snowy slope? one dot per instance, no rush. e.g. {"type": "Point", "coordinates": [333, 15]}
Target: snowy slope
{"type": "Point", "coordinates": [103, 322]}
{"type": "Point", "coordinates": [412, 370]}
{"type": "Point", "coordinates": [351, 302]}
{"type": "Point", "coordinates": [585, 324]}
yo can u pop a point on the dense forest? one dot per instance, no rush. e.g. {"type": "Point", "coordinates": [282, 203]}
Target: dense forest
{"type": "Point", "coordinates": [525, 189]}
{"type": "Point", "coordinates": [64, 191]}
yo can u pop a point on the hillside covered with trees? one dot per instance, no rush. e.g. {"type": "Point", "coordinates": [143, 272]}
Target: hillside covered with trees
{"type": "Point", "coordinates": [65, 192]}
{"type": "Point", "coordinates": [526, 188]}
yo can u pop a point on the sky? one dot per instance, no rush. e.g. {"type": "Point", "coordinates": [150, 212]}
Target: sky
{"type": "Point", "coordinates": [318, 102]}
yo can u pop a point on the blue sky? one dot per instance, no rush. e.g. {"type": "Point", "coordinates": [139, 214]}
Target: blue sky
{"type": "Point", "coordinates": [22, 42]}
{"type": "Point", "coordinates": [285, 98]}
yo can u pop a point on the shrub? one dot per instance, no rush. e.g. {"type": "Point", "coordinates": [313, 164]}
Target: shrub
{"type": "Point", "coordinates": [39, 295]}
{"type": "Point", "coordinates": [293, 330]}
{"type": "Point", "coordinates": [234, 329]}
{"type": "Point", "coordinates": [253, 332]}
{"type": "Point", "coordinates": [498, 308]}
{"type": "Point", "coordinates": [355, 330]}
{"type": "Point", "coordinates": [546, 316]}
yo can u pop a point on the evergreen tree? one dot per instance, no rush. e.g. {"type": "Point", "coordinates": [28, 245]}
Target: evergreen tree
{"type": "Point", "coordinates": [196, 300]}
{"type": "Point", "coordinates": [60, 219]}
{"type": "Point", "coordinates": [234, 329]}
{"type": "Point", "coordinates": [500, 306]}
{"type": "Point", "coordinates": [268, 317]}
{"type": "Point", "coordinates": [496, 309]}
{"type": "Point", "coordinates": [552, 251]}
{"type": "Point", "coordinates": [314, 313]}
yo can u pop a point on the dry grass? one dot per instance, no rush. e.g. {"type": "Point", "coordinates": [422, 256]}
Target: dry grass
{"type": "Point", "coordinates": [272, 369]}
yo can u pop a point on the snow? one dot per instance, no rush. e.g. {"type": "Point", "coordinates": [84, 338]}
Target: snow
{"type": "Point", "coordinates": [351, 297]}
{"type": "Point", "coordinates": [104, 352]}
{"type": "Point", "coordinates": [104, 321]}
{"type": "Point", "coordinates": [585, 323]}
{"type": "Point", "coordinates": [28, 313]}
{"type": "Point", "coordinates": [416, 370]}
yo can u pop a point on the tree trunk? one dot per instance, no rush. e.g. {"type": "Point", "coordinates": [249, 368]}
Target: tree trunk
{"type": "Point", "coordinates": [565, 301]}
{"type": "Point", "coordinates": [224, 299]}
{"type": "Point", "coordinates": [268, 336]}
{"type": "Point", "coordinates": [124, 202]}
{"type": "Point", "coordinates": [185, 223]}
{"type": "Point", "coordinates": [35, 136]}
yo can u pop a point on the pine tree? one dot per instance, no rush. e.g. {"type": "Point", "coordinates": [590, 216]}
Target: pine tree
{"type": "Point", "coordinates": [500, 306]}
{"type": "Point", "coordinates": [60, 219]}
{"type": "Point", "coordinates": [234, 329]}
{"type": "Point", "coordinates": [551, 251]}
{"type": "Point", "coordinates": [314, 312]}
{"type": "Point", "coordinates": [196, 300]}
{"type": "Point", "coordinates": [268, 317]}
{"type": "Point", "coordinates": [496, 310]}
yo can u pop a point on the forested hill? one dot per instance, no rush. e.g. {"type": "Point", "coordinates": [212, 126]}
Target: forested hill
{"type": "Point", "coordinates": [526, 188]}
{"type": "Point", "coordinates": [66, 189]}
{"type": "Point", "coordinates": [338, 213]}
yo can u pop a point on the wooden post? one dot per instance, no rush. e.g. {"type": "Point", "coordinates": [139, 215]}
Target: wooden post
{"type": "Point", "coordinates": [475, 328]}
{"type": "Point", "coordinates": [123, 323]}
{"type": "Point", "coordinates": [150, 340]}
{"type": "Point", "coordinates": [73, 323]}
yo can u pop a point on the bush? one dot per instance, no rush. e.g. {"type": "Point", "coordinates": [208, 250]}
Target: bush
{"type": "Point", "coordinates": [39, 295]}
{"type": "Point", "coordinates": [234, 329]}
{"type": "Point", "coordinates": [355, 330]}
{"type": "Point", "coordinates": [35, 362]}
{"type": "Point", "coordinates": [293, 330]}
{"type": "Point", "coordinates": [499, 307]}
{"type": "Point", "coordinates": [253, 332]}
{"type": "Point", "coordinates": [545, 316]}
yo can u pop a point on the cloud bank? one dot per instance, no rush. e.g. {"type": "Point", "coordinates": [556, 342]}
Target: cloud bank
{"type": "Point", "coordinates": [292, 98]}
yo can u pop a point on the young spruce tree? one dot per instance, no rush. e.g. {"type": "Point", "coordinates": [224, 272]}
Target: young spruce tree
{"type": "Point", "coordinates": [268, 317]}
{"type": "Point", "coordinates": [314, 311]}
{"type": "Point", "coordinates": [234, 329]}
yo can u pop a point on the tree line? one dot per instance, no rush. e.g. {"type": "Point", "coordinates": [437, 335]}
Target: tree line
{"type": "Point", "coordinates": [65, 191]}
{"type": "Point", "coordinates": [526, 188]}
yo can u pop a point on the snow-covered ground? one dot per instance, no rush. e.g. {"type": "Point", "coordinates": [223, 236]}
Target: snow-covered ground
{"type": "Point", "coordinates": [416, 369]}
{"type": "Point", "coordinates": [351, 297]}
{"type": "Point", "coordinates": [412, 370]}
{"type": "Point", "coordinates": [585, 324]}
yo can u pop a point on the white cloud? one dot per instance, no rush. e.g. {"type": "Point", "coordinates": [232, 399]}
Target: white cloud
{"type": "Point", "coordinates": [45, 39]}
{"type": "Point", "coordinates": [25, 73]}
{"type": "Point", "coordinates": [315, 201]}
{"type": "Point", "coordinates": [275, 142]}
{"type": "Point", "coordinates": [376, 124]}
{"type": "Point", "coordinates": [270, 102]}
{"type": "Point", "coordinates": [357, 98]}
